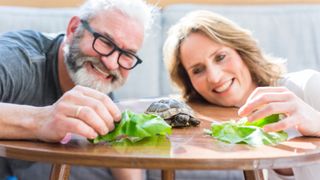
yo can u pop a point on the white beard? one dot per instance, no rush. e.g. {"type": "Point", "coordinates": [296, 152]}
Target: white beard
{"type": "Point", "coordinates": [83, 78]}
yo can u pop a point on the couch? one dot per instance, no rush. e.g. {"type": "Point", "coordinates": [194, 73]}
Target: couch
{"type": "Point", "coordinates": [288, 31]}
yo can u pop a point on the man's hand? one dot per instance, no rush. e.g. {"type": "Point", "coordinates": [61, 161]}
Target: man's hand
{"type": "Point", "coordinates": [82, 111]}
{"type": "Point", "coordinates": [265, 101]}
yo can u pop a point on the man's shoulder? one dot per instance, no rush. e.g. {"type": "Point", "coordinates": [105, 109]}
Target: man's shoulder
{"type": "Point", "coordinates": [29, 43]}
{"type": "Point", "coordinates": [26, 37]}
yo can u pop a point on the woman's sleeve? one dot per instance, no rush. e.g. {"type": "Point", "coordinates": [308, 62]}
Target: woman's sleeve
{"type": "Point", "coordinates": [312, 89]}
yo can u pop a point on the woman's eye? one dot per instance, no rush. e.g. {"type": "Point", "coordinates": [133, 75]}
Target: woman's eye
{"type": "Point", "coordinates": [197, 70]}
{"type": "Point", "coordinates": [220, 57]}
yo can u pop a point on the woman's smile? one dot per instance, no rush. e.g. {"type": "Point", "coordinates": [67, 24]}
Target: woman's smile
{"type": "Point", "coordinates": [224, 87]}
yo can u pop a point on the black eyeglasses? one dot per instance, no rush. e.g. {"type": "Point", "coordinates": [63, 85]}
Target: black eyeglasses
{"type": "Point", "coordinates": [104, 46]}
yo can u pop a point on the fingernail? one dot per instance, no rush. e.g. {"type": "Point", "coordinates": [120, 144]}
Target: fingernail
{"type": "Point", "coordinates": [240, 110]}
{"type": "Point", "coordinates": [93, 135]}
{"type": "Point", "coordinates": [105, 131]}
{"type": "Point", "coordinates": [119, 116]}
{"type": "Point", "coordinates": [66, 138]}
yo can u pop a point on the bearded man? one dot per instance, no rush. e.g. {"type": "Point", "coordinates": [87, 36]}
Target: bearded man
{"type": "Point", "coordinates": [51, 87]}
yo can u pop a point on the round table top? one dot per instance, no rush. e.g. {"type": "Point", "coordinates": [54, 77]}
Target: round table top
{"type": "Point", "coordinates": [186, 148]}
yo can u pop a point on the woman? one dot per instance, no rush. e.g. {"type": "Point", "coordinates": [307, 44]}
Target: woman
{"type": "Point", "coordinates": [212, 59]}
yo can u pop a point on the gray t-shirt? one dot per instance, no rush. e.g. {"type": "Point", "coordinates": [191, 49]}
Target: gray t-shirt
{"type": "Point", "coordinates": [29, 68]}
{"type": "Point", "coordinates": [29, 75]}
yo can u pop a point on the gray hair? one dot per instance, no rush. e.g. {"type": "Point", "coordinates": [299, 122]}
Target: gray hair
{"type": "Point", "coordinates": [135, 9]}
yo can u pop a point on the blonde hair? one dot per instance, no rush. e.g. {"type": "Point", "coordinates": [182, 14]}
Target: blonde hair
{"type": "Point", "coordinates": [264, 70]}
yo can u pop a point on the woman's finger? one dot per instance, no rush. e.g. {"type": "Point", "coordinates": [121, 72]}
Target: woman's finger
{"type": "Point", "coordinates": [271, 108]}
{"type": "Point", "coordinates": [263, 99]}
{"type": "Point", "coordinates": [284, 124]}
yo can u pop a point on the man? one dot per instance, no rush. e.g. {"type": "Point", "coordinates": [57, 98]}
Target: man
{"type": "Point", "coordinates": [53, 86]}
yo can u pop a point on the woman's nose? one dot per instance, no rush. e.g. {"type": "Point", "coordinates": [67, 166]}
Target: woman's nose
{"type": "Point", "coordinates": [214, 74]}
{"type": "Point", "coordinates": [111, 61]}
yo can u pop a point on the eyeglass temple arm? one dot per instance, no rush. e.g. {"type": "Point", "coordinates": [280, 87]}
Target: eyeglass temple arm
{"type": "Point", "coordinates": [86, 26]}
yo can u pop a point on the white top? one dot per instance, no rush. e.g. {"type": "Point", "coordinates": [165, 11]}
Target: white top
{"type": "Point", "coordinates": [306, 85]}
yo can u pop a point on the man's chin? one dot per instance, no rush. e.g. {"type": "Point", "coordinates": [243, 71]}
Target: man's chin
{"type": "Point", "coordinates": [104, 89]}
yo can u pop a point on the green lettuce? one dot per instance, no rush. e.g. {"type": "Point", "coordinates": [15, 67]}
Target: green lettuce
{"type": "Point", "coordinates": [135, 127]}
{"type": "Point", "coordinates": [246, 132]}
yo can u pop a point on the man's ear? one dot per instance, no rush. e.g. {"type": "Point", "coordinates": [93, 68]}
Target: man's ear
{"type": "Point", "coordinates": [72, 26]}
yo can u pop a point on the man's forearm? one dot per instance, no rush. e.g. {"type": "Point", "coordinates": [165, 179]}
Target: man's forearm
{"type": "Point", "coordinates": [17, 121]}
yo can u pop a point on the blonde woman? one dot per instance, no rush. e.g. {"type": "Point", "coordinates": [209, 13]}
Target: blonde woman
{"type": "Point", "coordinates": [211, 59]}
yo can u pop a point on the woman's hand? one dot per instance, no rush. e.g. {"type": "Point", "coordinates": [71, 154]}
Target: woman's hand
{"type": "Point", "coordinates": [265, 101]}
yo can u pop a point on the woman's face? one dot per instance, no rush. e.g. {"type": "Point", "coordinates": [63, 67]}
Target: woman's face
{"type": "Point", "coordinates": [217, 72]}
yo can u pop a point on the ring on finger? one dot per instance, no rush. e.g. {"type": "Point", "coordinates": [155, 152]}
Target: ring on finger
{"type": "Point", "coordinates": [78, 111]}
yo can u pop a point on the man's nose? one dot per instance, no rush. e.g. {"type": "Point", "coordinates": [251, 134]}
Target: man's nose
{"type": "Point", "coordinates": [111, 61]}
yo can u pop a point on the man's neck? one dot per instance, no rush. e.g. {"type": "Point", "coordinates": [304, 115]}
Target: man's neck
{"type": "Point", "coordinates": [64, 78]}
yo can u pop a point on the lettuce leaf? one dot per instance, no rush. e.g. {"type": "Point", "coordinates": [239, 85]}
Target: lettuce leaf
{"type": "Point", "coordinates": [263, 121]}
{"type": "Point", "coordinates": [246, 132]}
{"type": "Point", "coordinates": [135, 127]}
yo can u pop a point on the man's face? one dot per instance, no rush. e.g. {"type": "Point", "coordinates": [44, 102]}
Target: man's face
{"type": "Point", "coordinates": [86, 67]}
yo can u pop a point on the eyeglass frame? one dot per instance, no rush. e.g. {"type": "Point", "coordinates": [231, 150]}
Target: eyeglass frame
{"type": "Point", "coordinates": [96, 35]}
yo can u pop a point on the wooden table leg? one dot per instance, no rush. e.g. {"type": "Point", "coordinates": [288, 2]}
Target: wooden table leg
{"type": "Point", "coordinates": [60, 172]}
{"type": "Point", "coordinates": [167, 174]}
{"type": "Point", "coordinates": [253, 174]}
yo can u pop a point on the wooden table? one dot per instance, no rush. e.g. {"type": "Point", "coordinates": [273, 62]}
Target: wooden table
{"type": "Point", "coordinates": [187, 148]}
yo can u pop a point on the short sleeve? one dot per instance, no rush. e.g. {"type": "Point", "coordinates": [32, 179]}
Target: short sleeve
{"type": "Point", "coordinates": [311, 90]}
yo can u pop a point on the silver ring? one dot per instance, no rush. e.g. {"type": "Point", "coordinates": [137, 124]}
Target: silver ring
{"type": "Point", "coordinates": [78, 111]}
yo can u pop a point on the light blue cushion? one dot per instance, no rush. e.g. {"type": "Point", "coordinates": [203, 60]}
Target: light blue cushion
{"type": "Point", "coordinates": [50, 20]}
{"type": "Point", "coordinates": [287, 31]}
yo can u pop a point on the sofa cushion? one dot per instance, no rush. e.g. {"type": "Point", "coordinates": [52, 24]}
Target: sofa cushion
{"type": "Point", "coordinates": [50, 20]}
{"type": "Point", "coordinates": [287, 31]}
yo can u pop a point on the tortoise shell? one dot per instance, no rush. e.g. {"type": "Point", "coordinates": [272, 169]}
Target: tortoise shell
{"type": "Point", "coordinates": [175, 112]}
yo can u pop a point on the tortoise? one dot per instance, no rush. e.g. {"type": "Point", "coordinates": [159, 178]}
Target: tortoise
{"type": "Point", "coordinates": [176, 113]}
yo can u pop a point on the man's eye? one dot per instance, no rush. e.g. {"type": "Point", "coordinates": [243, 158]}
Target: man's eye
{"type": "Point", "coordinates": [104, 42]}
{"type": "Point", "coordinates": [220, 57]}
{"type": "Point", "coordinates": [107, 43]}
{"type": "Point", "coordinates": [129, 55]}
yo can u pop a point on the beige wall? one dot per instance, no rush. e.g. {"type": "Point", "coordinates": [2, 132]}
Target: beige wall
{"type": "Point", "coordinates": [166, 2]}
{"type": "Point", "coordinates": [42, 3]}
{"type": "Point", "coordinates": [72, 3]}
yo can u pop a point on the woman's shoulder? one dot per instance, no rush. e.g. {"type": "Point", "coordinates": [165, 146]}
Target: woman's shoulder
{"type": "Point", "coordinates": [303, 74]}
{"type": "Point", "coordinates": [304, 84]}
{"type": "Point", "coordinates": [300, 78]}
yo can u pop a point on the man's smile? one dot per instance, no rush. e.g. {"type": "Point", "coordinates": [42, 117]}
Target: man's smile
{"type": "Point", "coordinates": [108, 76]}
